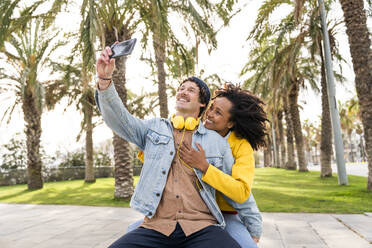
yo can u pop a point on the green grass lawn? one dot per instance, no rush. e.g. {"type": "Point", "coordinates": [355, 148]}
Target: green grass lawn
{"type": "Point", "coordinates": [275, 190]}
{"type": "Point", "coordinates": [279, 190]}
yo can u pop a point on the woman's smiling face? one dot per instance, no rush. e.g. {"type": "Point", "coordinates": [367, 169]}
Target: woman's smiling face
{"type": "Point", "coordinates": [218, 116]}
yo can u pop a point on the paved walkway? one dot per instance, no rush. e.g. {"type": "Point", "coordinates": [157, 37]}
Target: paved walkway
{"type": "Point", "coordinates": [356, 169]}
{"type": "Point", "coordinates": [41, 226]}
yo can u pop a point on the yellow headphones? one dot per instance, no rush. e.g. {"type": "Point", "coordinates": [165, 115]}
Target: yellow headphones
{"type": "Point", "coordinates": [180, 123]}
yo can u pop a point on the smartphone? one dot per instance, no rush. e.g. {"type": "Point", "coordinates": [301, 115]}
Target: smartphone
{"type": "Point", "coordinates": [123, 48]}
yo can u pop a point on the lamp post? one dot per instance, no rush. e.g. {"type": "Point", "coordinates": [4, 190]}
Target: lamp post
{"type": "Point", "coordinates": [335, 117]}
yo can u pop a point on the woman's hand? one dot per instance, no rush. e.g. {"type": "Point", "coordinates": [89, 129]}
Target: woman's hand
{"type": "Point", "coordinates": [193, 158]}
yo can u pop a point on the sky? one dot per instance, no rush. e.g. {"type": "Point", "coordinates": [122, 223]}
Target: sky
{"type": "Point", "coordinates": [60, 128]}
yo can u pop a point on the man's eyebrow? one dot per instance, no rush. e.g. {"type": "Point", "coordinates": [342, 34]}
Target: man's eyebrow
{"type": "Point", "coordinates": [193, 86]}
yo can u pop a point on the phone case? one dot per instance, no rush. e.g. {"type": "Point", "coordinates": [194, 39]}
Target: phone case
{"type": "Point", "coordinates": [123, 48]}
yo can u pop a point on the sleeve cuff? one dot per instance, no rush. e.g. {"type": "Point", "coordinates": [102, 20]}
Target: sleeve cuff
{"type": "Point", "coordinates": [208, 173]}
{"type": "Point", "coordinates": [97, 84]}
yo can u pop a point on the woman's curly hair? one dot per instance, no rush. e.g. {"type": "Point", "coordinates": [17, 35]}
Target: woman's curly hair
{"type": "Point", "coordinates": [247, 114]}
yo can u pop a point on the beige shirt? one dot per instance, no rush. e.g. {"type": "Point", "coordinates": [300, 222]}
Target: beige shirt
{"type": "Point", "coordinates": [181, 202]}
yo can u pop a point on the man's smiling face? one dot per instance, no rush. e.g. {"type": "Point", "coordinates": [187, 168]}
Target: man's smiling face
{"type": "Point", "coordinates": [187, 98]}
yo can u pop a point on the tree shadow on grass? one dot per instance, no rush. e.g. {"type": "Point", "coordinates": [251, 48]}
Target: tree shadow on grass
{"type": "Point", "coordinates": [85, 194]}
{"type": "Point", "coordinates": [22, 192]}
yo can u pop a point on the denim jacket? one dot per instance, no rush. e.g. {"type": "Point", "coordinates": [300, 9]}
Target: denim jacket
{"type": "Point", "coordinates": [155, 138]}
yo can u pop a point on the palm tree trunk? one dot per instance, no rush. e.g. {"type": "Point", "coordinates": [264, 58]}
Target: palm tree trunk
{"type": "Point", "coordinates": [123, 167]}
{"type": "Point", "coordinates": [359, 40]}
{"type": "Point", "coordinates": [291, 164]}
{"type": "Point", "coordinates": [277, 144]}
{"type": "Point", "coordinates": [326, 132]}
{"type": "Point", "coordinates": [267, 154]}
{"type": "Point", "coordinates": [281, 139]}
{"type": "Point", "coordinates": [295, 117]}
{"type": "Point", "coordinates": [316, 154]}
{"type": "Point", "coordinates": [308, 151]}
{"type": "Point", "coordinates": [351, 153]}
{"type": "Point", "coordinates": [277, 153]}
{"type": "Point", "coordinates": [89, 165]}
{"type": "Point", "coordinates": [158, 41]}
{"type": "Point", "coordinates": [159, 48]}
{"type": "Point", "coordinates": [88, 100]}
{"type": "Point", "coordinates": [32, 115]}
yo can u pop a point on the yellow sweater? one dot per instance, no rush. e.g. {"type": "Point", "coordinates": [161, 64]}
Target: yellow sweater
{"type": "Point", "coordinates": [237, 186]}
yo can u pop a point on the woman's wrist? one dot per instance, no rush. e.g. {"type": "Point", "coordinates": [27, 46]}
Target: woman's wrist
{"type": "Point", "coordinates": [205, 167]}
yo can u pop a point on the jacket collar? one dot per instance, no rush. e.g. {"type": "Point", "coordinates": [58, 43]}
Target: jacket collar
{"type": "Point", "coordinates": [201, 129]}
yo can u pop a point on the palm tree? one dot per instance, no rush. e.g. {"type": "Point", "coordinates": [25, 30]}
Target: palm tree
{"type": "Point", "coordinates": [290, 164]}
{"type": "Point", "coordinates": [346, 121]}
{"type": "Point", "coordinates": [111, 21]}
{"type": "Point", "coordinates": [361, 54]}
{"type": "Point", "coordinates": [10, 24]}
{"type": "Point", "coordinates": [309, 136]}
{"type": "Point", "coordinates": [315, 142]}
{"type": "Point", "coordinates": [281, 67]}
{"type": "Point", "coordinates": [326, 131]}
{"type": "Point", "coordinates": [75, 86]}
{"type": "Point", "coordinates": [28, 54]}
{"type": "Point", "coordinates": [360, 50]}
{"type": "Point", "coordinates": [349, 118]}
{"type": "Point", "coordinates": [354, 109]}
{"type": "Point", "coordinates": [295, 115]}
{"type": "Point", "coordinates": [281, 138]}
{"type": "Point", "coordinates": [315, 33]}
{"type": "Point", "coordinates": [7, 7]}
{"type": "Point", "coordinates": [168, 50]}
{"type": "Point", "coordinates": [309, 23]}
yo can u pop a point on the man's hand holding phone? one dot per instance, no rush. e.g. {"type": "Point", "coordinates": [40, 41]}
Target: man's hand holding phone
{"type": "Point", "coordinates": [105, 66]}
{"type": "Point", "coordinates": [123, 48]}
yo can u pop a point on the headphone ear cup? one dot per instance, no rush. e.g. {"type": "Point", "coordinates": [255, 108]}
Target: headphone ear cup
{"type": "Point", "coordinates": [190, 123]}
{"type": "Point", "coordinates": [178, 122]}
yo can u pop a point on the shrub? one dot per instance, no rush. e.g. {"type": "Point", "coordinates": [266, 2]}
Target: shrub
{"type": "Point", "coordinates": [15, 154]}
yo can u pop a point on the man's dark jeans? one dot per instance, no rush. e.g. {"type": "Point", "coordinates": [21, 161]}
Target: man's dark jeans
{"type": "Point", "coordinates": [211, 236]}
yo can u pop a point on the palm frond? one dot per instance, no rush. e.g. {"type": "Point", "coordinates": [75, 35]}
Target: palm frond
{"type": "Point", "coordinates": [7, 8]}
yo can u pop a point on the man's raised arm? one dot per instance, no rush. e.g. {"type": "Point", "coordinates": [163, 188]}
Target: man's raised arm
{"type": "Point", "coordinates": [114, 113]}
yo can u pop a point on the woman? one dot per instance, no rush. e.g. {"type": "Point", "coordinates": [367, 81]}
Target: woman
{"type": "Point", "coordinates": [237, 115]}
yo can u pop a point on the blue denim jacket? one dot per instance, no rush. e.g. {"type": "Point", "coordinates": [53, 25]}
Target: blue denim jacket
{"type": "Point", "coordinates": [155, 138]}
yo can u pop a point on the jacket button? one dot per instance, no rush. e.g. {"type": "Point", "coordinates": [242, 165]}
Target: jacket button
{"type": "Point", "coordinates": [157, 194]}
{"type": "Point", "coordinates": [171, 153]}
{"type": "Point", "coordinates": [163, 172]}
{"type": "Point", "coordinates": [150, 213]}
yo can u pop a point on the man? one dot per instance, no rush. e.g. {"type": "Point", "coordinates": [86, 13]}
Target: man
{"type": "Point", "coordinates": [180, 209]}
